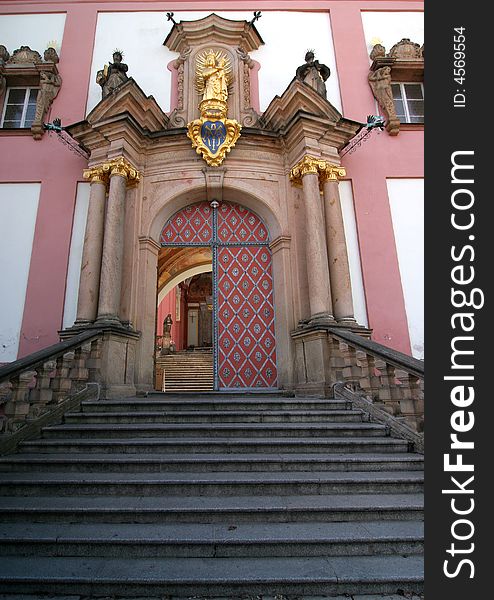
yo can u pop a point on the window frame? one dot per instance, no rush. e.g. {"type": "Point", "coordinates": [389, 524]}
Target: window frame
{"type": "Point", "coordinates": [405, 99]}
{"type": "Point", "coordinates": [25, 105]}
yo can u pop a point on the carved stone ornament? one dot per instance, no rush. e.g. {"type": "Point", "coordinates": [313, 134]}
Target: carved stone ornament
{"type": "Point", "coordinates": [377, 51]}
{"type": "Point", "coordinates": [49, 86]}
{"type": "Point", "coordinates": [213, 135]}
{"type": "Point", "coordinates": [24, 54]}
{"type": "Point", "coordinates": [404, 62]}
{"type": "Point", "coordinates": [27, 65]}
{"type": "Point", "coordinates": [405, 49]}
{"type": "Point", "coordinates": [380, 83]}
{"type": "Point", "coordinates": [4, 54]}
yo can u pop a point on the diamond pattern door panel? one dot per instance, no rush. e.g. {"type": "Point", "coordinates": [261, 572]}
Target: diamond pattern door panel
{"type": "Point", "coordinates": [192, 225]}
{"type": "Point", "coordinates": [246, 340]}
{"type": "Point", "coordinates": [238, 224]}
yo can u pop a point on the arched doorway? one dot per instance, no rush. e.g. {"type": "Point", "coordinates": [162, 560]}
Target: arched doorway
{"type": "Point", "coordinates": [244, 346]}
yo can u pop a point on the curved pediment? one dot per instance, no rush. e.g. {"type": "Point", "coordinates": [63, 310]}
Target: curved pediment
{"type": "Point", "coordinates": [213, 29]}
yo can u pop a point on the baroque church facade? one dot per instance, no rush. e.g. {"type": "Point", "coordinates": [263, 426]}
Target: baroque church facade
{"type": "Point", "coordinates": [212, 191]}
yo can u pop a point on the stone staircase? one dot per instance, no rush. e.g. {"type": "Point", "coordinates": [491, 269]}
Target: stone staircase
{"type": "Point", "coordinates": [212, 496]}
{"type": "Point", "coordinates": [185, 371]}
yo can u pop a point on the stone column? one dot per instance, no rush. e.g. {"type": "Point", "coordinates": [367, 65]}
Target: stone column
{"type": "Point", "coordinates": [306, 174]}
{"type": "Point", "coordinates": [339, 270]}
{"type": "Point", "coordinates": [87, 302]}
{"type": "Point", "coordinates": [121, 174]}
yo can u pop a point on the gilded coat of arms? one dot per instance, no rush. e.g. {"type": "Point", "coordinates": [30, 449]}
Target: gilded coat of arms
{"type": "Point", "coordinates": [213, 135]}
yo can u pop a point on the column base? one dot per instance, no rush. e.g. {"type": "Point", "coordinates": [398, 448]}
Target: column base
{"type": "Point", "coordinates": [321, 319]}
{"type": "Point", "coordinates": [350, 321]}
{"type": "Point", "coordinates": [82, 323]}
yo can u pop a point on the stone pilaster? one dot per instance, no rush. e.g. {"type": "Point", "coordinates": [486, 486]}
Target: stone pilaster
{"type": "Point", "coordinates": [146, 323]}
{"type": "Point", "coordinates": [121, 174]}
{"type": "Point", "coordinates": [306, 174]}
{"type": "Point", "coordinates": [87, 302]}
{"type": "Point", "coordinates": [339, 270]}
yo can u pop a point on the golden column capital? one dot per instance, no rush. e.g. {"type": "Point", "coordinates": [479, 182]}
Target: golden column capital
{"type": "Point", "coordinates": [308, 165]}
{"type": "Point", "coordinates": [317, 166]}
{"type": "Point", "coordinates": [331, 173]}
{"type": "Point", "coordinates": [96, 175]}
{"type": "Point", "coordinates": [116, 166]}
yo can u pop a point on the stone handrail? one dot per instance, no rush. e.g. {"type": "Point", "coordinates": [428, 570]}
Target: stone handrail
{"type": "Point", "coordinates": [32, 386]}
{"type": "Point", "coordinates": [391, 380]}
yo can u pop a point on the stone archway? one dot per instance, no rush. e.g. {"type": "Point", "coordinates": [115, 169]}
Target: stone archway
{"type": "Point", "coordinates": [244, 319]}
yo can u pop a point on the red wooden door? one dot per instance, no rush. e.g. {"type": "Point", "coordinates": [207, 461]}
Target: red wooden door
{"type": "Point", "coordinates": [245, 344]}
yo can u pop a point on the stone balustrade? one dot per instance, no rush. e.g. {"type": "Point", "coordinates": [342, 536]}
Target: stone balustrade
{"type": "Point", "coordinates": [391, 380]}
{"type": "Point", "coordinates": [35, 385]}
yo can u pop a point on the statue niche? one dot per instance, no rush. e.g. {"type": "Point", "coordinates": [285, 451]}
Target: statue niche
{"type": "Point", "coordinates": [112, 75]}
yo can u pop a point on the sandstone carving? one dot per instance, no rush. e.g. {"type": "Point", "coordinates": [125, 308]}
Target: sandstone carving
{"type": "Point", "coordinates": [405, 49]}
{"type": "Point", "coordinates": [314, 73]}
{"type": "Point", "coordinates": [380, 83]}
{"type": "Point", "coordinates": [32, 67]}
{"type": "Point", "coordinates": [24, 54]}
{"type": "Point", "coordinates": [112, 75]}
{"type": "Point", "coordinates": [404, 62]}
{"type": "Point", "coordinates": [48, 90]}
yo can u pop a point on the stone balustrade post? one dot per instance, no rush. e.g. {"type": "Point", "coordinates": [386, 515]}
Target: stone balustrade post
{"type": "Point", "coordinates": [17, 406]}
{"type": "Point", "coordinates": [306, 174]}
{"type": "Point", "coordinates": [61, 383]}
{"type": "Point", "coordinates": [42, 394]}
{"type": "Point", "coordinates": [339, 269]}
{"type": "Point", "coordinates": [121, 174]}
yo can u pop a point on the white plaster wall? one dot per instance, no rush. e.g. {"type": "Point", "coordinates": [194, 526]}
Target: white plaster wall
{"type": "Point", "coordinates": [75, 256]}
{"type": "Point", "coordinates": [18, 210]}
{"type": "Point", "coordinates": [353, 249]}
{"type": "Point", "coordinates": [287, 36]}
{"type": "Point", "coordinates": [406, 199]}
{"type": "Point", "coordinates": [390, 27]}
{"type": "Point", "coordinates": [37, 31]}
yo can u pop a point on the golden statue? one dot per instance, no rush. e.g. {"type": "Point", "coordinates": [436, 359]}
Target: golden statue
{"type": "Point", "coordinates": [213, 75]}
{"type": "Point", "coordinates": [213, 135]}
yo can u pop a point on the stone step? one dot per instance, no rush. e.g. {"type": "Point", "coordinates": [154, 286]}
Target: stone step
{"type": "Point", "coordinates": [212, 509]}
{"type": "Point", "coordinates": [179, 375]}
{"type": "Point", "coordinates": [183, 404]}
{"type": "Point", "coordinates": [187, 373]}
{"type": "Point", "coordinates": [230, 416]}
{"type": "Point", "coordinates": [209, 576]}
{"type": "Point", "coordinates": [233, 430]}
{"type": "Point", "coordinates": [189, 367]}
{"type": "Point", "coordinates": [183, 463]}
{"type": "Point", "coordinates": [190, 540]}
{"type": "Point", "coordinates": [218, 445]}
{"type": "Point", "coordinates": [217, 484]}
{"type": "Point", "coordinates": [178, 387]}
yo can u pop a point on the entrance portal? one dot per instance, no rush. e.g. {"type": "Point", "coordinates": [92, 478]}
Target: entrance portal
{"type": "Point", "coordinates": [244, 347]}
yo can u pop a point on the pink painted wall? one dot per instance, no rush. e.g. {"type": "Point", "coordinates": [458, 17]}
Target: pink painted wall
{"type": "Point", "coordinates": [58, 170]}
{"type": "Point", "coordinates": [383, 156]}
{"type": "Point", "coordinates": [49, 162]}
